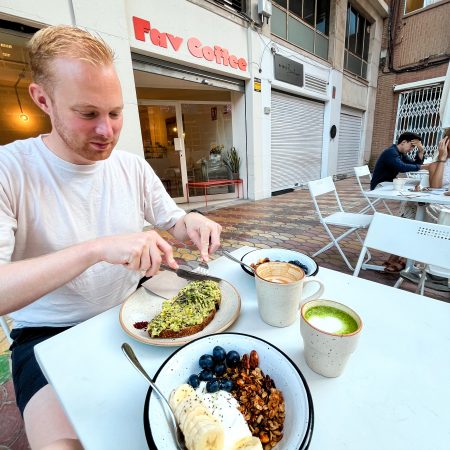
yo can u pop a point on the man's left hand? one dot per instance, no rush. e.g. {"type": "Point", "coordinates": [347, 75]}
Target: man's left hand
{"type": "Point", "coordinates": [203, 232]}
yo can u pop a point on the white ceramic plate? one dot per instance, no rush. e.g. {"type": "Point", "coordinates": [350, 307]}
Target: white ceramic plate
{"type": "Point", "coordinates": [280, 254]}
{"type": "Point", "coordinates": [143, 305]}
{"type": "Point", "coordinates": [176, 369]}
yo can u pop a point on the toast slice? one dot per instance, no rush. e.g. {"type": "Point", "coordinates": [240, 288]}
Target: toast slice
{"type": "Point", "coordinates": [188, 312]}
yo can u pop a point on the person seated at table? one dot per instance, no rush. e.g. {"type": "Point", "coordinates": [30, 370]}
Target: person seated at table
{"type": "Point", "coordinates": [72, 213]}
{"type": "Point", "coordinates": [395, 159]}
{"type": "Point", "coordinates": [440, 174]}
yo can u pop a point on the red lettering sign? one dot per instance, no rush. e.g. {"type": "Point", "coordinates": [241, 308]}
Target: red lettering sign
{"type": "Point", "coordinates": [215, 53]}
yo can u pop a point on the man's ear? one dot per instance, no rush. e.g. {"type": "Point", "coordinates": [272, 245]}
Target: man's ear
{"type": "Point", "coordinates": [40, 97]}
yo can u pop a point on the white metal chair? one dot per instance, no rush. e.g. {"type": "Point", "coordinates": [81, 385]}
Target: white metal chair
{"type": "Point", "coordinates": [352, 221]}
{"type": "Point", "coordinates": [444, 219]}
{"type": "Point", "coordinates": [424, 242]}
{"type": "Point", "coordinates": [5, 328]}
{"type": "Point", "coordinates": [363, 171]}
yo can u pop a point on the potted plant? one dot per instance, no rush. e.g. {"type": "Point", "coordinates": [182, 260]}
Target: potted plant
{"type": "Point", "coordinates": [233, 162]}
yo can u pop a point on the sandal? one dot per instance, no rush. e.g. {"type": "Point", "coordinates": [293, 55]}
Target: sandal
{"type": "Point", "coordinates": [394, 268]}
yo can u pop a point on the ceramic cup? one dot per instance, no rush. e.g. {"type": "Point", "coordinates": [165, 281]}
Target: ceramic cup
{"type": "Point", "coordinates": [398, 183]}
{"type": "Point", "coordinates": [279, 287]}
{"type": "Point", "coordinates": [330, 332]}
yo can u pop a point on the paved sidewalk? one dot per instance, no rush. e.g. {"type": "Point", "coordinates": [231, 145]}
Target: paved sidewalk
{"type": "Point", "coordinates": [287, 221]}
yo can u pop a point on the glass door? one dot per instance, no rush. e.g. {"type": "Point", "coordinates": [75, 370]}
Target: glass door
{"type": "Point", "coordinates": [162, 136]}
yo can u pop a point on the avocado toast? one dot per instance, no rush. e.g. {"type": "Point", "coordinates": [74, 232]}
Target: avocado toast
{"type": "Point", "coordinates": [188, 312]}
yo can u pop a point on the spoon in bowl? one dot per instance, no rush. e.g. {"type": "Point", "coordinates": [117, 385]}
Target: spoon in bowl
{"type": "Point", "coordinates": [230, 256]}
{"type": "Point", "coordinates": [176, 431]}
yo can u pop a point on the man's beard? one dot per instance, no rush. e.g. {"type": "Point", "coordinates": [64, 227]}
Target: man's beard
{"type": "Point", "coordinates": [80, 147]}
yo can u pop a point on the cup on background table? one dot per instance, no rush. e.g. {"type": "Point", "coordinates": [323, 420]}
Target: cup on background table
{"type": "Point", "coordinates": [279, 292]}
{"type": "Point", "coordinates": [330, 332]}
{"type": "Point", "coordinates": [398, 183]}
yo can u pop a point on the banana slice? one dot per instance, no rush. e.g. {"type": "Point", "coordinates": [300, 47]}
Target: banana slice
{"type": "Point", "coordinates": [201, 430]}
{"type": "Point", "coordinates": [248, 443]}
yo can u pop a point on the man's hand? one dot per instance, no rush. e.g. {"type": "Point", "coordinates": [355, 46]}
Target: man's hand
{"type": "Point", "coordinates": [142, 252]}
{"type": "Point", "coordinates": [443, 149]}
{"type": "Point", "coordinates": [419, 145]}
{"type": "Point", "coordinates": [203, 232]}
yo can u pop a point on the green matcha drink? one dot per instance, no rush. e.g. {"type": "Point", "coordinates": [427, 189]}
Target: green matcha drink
{"type": "Point", "coordinates": [331, 320]}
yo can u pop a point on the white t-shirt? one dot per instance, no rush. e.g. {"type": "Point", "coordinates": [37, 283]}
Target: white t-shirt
{"type": "Point", "coordinates": [47, 204]}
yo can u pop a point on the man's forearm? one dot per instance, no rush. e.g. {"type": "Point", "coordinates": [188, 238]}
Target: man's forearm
{"type": "Point", "coordinates": [23, 282]}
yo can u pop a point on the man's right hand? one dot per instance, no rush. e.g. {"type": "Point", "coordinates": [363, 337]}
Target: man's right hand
{"type": "Point", "coordinates": [142, 252]}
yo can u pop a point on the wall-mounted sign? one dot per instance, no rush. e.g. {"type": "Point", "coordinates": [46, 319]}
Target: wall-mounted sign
{"type": "Point", "coordinates": [215, 53]}
{"type": "Point", "coordinates": [288, 71]}
{"type": "Point", "coordinates": [257, 84]}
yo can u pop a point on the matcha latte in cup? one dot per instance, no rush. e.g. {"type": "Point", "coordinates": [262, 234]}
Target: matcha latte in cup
{"type": "Point", "coordinates": [330, 332]}
{"type": "Point", "coordinates": [279, 292]}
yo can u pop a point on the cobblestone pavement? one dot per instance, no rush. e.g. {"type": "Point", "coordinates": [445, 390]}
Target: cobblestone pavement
{"type": "Point", "coordinates": [287, 221]}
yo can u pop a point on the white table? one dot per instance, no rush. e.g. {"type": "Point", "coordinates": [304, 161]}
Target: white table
{"type": "Point", "coordinates": [394, 393]}
{"type": "Point", "coordinates": [386, 192]}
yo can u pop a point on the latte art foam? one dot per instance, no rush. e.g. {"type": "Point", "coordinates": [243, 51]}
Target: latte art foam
{"type": "Point", "coordinates": [331, 320]}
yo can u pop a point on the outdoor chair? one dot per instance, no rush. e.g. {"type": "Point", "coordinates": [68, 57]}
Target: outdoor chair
{"type": "Point", "coordinates": [423, 242]}
{"type": "Point", "coordinates": [340, 218]}
{"type": "Point", "coordinates": [5, 328]}
{"type": "Point", "coordinates": [363, 171]}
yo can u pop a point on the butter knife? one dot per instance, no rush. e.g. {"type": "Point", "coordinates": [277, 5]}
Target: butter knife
{"type": "Point", "coordinates": [186, 274]}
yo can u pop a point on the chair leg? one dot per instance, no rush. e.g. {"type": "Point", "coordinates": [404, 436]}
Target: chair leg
{"type": "Point", "coordinates": [399, 282]}
{"type": "Point", "coordinates": [421, 285]}
{"type": "Point", "coordinates": [335, 242]}
{"type": "Point", "coordinates": [387, 207]}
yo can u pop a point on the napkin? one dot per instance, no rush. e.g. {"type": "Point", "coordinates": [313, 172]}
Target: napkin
{"type": "Point", "coordinates": [165, 284]}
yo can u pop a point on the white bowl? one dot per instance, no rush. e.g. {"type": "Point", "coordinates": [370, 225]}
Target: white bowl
{"type": "Point", "coordinates": [298, 425]}
{"type": "Point", "coordinates": [280, 254]}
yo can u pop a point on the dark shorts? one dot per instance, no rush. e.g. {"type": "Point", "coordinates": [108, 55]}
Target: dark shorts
{"type": "Point", "coordinates": [27, 375]}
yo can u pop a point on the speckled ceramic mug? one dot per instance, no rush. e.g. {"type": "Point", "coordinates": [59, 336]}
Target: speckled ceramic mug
{"type": "Point", "coordinates": [279, 287]}
{"type": "Point", "coordinates": [328, 344]}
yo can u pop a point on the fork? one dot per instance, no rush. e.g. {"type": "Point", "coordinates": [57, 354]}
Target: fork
{"type": "Point", "coordinates": [175, 428]}
{"type": "Point", "coordinates": [200, 267]}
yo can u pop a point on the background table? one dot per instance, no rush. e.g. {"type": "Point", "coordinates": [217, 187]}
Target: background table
{"type": "Point", "coordinates": [394, 393]}
{"type": "Point", "coordinates": [387, 193]}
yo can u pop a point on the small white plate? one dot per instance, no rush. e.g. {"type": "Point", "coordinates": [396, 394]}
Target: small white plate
{"type": "Point", "coordinates": [298, 425]}
{"type": "Point", "coordinates": [280, 254]}
{"type": "Point", "coordinates": [143, 305]}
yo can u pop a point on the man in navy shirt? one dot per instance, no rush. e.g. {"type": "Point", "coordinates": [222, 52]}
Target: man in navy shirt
{"type": "Point", "coordinates": [394, 160]}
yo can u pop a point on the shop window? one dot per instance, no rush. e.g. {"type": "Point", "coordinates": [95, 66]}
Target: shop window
{"type": "Point", "coordinates": [414, 5]}
{"type": "Point", "coordinates": [237, 5]}
{"type": "Point", "coordinates": [21, 118]}
{"type": "Point", "coordinates": [357, 39]}
{"type": "Point", "coordinates": [418, 112]}
{"type": "Point", "coordinates": [304, 23]}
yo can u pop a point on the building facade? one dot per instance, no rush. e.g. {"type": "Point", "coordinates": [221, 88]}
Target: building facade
{"type": "Point", "coordinates": [415, 57]}
{"type": "Point", "coordinates": [291, 85]}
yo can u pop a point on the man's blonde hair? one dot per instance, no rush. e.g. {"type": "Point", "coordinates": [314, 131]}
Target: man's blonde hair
{"type": "Point", "coordinates": [64, 41]}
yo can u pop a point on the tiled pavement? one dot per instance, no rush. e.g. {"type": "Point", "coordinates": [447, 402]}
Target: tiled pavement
{"type": "Point", "coordinates": [286, 221]}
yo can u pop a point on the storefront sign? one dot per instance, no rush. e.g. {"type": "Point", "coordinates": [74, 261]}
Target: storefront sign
{"type": "Point", "coordinates": [257, 84]}
{"type": "Point", "coordinates": [288, 71]}
{"type": "Point", "coordinates": [196, 48]}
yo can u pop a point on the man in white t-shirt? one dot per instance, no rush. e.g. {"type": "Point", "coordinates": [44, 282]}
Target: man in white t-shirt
{"type": "Point", "coordinates": [71, 216]}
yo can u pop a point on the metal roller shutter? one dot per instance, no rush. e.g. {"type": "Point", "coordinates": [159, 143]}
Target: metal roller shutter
{"type": "Point", "coordinates": [349, 143]}
{"type": "Point", "coordinates": [297, 128]}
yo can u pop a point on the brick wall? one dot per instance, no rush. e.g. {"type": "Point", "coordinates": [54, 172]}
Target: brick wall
{"type": "Point", "coordinates": [417, 36]}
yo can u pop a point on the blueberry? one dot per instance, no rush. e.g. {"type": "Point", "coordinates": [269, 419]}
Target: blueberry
{"type": "Point", "coordinates": [226, 385]}
{"type": "Point", "coordinates": [205, 375]}
{"type": "Point", "coordinates": [219, 353]}
{"type": "Point", "coordinates": [233, 358]}
{"type": "Point", "coordinates": [219, 370]}
{"type": "Point", "coordinates": [212, 386]}
{"type": "Point", "coordinates": [206, 362]}
{"type": "Point", "coordinates": [194, 381]}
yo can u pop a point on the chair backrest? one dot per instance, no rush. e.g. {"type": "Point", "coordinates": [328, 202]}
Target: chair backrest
{"type": "Point", "coordinates": [323, 186]}
{"type": "Point", "coordinates": [362, 171]}
{"type": "Point", "coordinates": [425, 242]}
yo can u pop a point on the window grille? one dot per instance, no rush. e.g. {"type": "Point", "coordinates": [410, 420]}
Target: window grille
{"type": "Point", "coordinates": [418, 112]}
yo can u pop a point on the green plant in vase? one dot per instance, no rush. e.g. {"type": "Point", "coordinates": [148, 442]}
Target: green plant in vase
{"type": "Point", "coordinates": [233, 161]}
